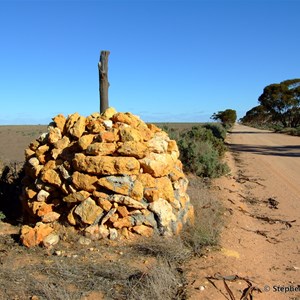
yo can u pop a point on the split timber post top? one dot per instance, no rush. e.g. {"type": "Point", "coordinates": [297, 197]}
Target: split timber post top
{"type": "Point", "coordinates": [103, 80]}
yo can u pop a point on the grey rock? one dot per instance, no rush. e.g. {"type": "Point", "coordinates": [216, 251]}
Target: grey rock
{"type": "Point", "coordinates": [164, 212]}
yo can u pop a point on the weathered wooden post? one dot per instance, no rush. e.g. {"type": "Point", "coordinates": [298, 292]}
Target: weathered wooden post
{"type": "Point", "coordinates": [103, 80]}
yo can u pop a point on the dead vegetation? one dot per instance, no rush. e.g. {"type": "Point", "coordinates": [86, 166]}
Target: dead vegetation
{"type": "Point", "coordinates": [287, 224]}
{"type": "Point", "coordinates": [242, 178]}
{"type": "Point", "coordinates": [247, 292]}
{"type": "Point", "coordinates": [209, 221]}
{"type": "Point", "coordinates": [271, 202]}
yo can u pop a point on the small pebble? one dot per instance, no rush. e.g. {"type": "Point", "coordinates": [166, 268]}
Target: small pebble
{"type": "Point", "coordinates": [58, 252]}
{"type": "Point", "coordinates": [84, 241]}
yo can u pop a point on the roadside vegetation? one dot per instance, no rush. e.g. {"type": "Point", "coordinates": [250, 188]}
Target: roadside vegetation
{"type": "Point", "coordinates": [201, 149]}
{"type": "Point", "coordinates": [278, 109]}
{"type": "Point", "coordinates": [152, 268]}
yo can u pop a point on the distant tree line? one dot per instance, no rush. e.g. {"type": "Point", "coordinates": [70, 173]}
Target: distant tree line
{"type": "Point", "coordinates": [279, 105]}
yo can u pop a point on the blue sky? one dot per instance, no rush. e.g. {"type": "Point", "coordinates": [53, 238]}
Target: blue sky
{"type": "Point", "coordinates": [170, 61]}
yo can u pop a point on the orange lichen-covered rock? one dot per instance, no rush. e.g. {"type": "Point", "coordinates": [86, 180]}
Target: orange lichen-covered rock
{"type": "Point", "coordinates": [157, 164]}
{"type": "Point", "coordinates": [133, 148]}
{"type": "Point", "coordinates": [52, 177]}
{"type": "Point", "coordinates": [128, 134]}
{"type": "Point", "coordinates": [101, 149]}
{"type": "Point", "coordinates": [126, 118]}
{"type": "Point", "coordinates": [78, 128]}
{"type": "Point", "coordinates": [106, 165]}
{"type": "Point", "coordinates": [84, 181]}
{"type": "Point", "coordinates": [60, 122]}
{"type": "Point", "coordinates": [31, 237]}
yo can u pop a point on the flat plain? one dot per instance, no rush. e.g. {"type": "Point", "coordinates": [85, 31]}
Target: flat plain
{"type": "Point", "coordinates": [15, 138]}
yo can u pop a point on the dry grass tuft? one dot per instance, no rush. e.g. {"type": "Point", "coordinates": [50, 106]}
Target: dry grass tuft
{"type": "Point", "coordinates": [161, 282]}
{"type": "Point", "coordinates": [170, 249]}
{"type": "Point", "coordinates": [208, 218]}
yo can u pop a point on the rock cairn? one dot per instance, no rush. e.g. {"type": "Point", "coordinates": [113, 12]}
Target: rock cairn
{"type": "Point", "coordinates": [109, 175]}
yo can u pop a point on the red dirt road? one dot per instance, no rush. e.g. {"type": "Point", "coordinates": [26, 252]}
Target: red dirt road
{"type": "Point", "coordinates": [261, 239]}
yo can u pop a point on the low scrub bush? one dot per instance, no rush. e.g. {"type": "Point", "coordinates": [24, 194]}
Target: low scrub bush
{"type": "Point", "coordinates": [276, 128]}
{"type": "Point", "coordinates": [287, 130]}
{"type": "Point", "coordinates": [290, 131]}
{"type": "Point", "coordinates": [2, 216]}
{"type": "Point", "coordinates": [217, 129]}
{"type": "Point", "coordinates": [201, 134]}
{"type": "Point", "coordinates": [201, 152]}
{"type": "Point", "coordinates": [297, 131]}
{"type": "Point", "coordinates": [201, 158]}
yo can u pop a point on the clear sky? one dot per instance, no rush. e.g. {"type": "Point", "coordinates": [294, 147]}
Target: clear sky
{"type": "Point", "coordinates": [170, 61]}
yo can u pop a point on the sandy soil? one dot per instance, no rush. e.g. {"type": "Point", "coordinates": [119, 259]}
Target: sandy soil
{"type": "Point", "coordinates": [261, 240]}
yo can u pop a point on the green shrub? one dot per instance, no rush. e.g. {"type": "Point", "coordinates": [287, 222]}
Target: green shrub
{"type": "Point", "coordinates": [2, 216]}
{"type": "Point", "coordinates": [201, 152]}
{"type": "Point", "coordinates": [201, 134]}
{"type": "Point", "coordinates": [201, 149]}
{"type": "Point", "coordinates": [201, 158]}
{"type": "Point", "coordinates": [174, 134]}
{"type": "Point", "coordinates": [290, 131]}
{"type": "Point", "coordinates": [277, 127]}
{"type": "Point", "coordinates": [217, 130]}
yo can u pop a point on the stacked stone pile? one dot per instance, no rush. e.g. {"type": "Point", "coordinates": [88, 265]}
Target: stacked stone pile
{"type": "Point", "coordinates": [109, 175]}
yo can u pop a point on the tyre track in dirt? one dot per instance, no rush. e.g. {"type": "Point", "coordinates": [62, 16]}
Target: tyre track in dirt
{"type": "Point", "coordinates": [261, 238]}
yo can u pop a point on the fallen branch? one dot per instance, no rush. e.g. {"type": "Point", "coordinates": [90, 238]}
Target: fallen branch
{"type": "Point", "coordinates": [268, 219]}
{"type": "Point", "coordinates": [247, 292]}
{"type": "Point", "coordinates": [263, 233]}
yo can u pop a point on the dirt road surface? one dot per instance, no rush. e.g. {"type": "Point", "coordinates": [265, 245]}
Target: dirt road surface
{"type": "Point", "coordinates": [261, 239]}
